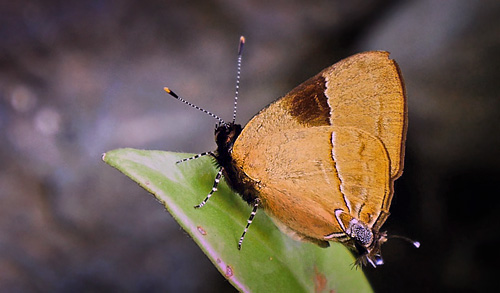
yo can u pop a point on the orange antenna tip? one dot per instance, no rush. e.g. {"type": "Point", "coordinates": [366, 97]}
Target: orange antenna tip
{"type": "Point", "coordinates": [170, 92]}
{"type": "Point", "coordinates": [240, 46]}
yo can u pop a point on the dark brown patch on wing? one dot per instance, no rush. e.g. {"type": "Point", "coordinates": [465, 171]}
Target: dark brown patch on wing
{"type": "Point", "coordinates": [308, 103]}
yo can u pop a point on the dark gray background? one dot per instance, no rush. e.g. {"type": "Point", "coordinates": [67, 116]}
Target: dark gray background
{"type": "Point", "coordinates": [78, 78]}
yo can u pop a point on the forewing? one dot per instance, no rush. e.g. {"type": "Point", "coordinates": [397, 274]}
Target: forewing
{"type": "Point", "coordinates": [364, 91]}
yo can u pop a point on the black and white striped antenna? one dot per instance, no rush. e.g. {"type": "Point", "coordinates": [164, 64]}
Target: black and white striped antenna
{"type": "Point", "coordinates": [170, 92]}
{"type": "Point", "coordinates": [238, 74]}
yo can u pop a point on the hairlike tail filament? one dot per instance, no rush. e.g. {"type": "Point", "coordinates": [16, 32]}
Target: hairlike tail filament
{"type": "Point", "coordinates": [413, 242]}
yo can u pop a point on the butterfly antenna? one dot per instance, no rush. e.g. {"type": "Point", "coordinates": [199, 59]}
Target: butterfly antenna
{"type": "Point", "coordinates": [170, 92]}
{"type": "Point", "coordinates": [238, 73]}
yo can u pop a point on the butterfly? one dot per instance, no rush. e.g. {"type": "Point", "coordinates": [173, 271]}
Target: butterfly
{"type": "Point", "coordinates": [321, 160]}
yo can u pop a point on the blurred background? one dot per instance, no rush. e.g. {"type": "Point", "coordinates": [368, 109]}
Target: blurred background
{"type": "Point", "coordinates": [78, 78]}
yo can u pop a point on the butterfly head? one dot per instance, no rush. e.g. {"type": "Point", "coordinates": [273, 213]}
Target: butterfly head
{"type": "Point", "coordinates": [225, 136]}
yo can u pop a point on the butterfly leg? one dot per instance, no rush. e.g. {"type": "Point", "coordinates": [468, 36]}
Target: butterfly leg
{"type": "Point", "coordinates": [195, 157]}
{"type": "Point", "coordinates": [249, 221]}
{"type": "Point", "coordinates": [214, 189]}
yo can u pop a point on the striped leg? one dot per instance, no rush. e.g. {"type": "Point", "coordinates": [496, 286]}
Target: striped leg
{"type": "Point", "coordinates": [195, 157]}
{"type": "Point", "coordinates": [214, 189]}
{"type": "Point", "coordinates": [250, 219]}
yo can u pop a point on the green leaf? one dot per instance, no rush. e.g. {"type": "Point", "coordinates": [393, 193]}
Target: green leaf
{"type": "Point", "coordinates": [269, 261]}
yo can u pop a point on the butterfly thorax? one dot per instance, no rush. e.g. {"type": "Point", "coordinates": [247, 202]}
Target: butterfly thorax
{"type": "Point", "coordinates": [225, 137]}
